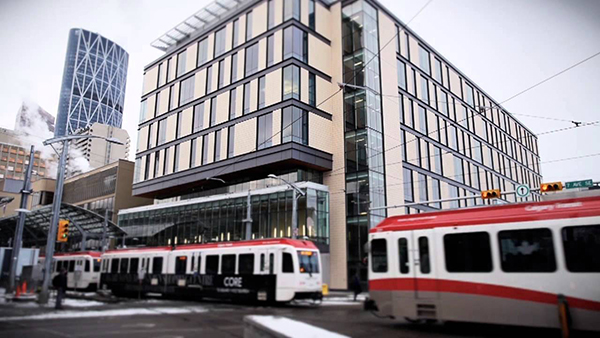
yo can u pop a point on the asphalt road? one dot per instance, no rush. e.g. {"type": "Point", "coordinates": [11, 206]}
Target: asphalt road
{"type": "Point", "coordinates": [226, 320]}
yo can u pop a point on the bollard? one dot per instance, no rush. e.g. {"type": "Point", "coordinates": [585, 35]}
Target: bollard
{"type": "Point", "coordinates": [564, 316]}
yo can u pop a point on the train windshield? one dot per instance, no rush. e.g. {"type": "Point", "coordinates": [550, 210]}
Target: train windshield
{"type": "Point", "coordinates": [309, 261]}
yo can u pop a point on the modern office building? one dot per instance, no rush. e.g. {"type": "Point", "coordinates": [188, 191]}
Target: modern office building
{"type": "Point", "coordinates": [93, 86]}
{"type": "Point", "coordinates": [99, 152]}
{"type": "Point", "coordinates": [251, 88]}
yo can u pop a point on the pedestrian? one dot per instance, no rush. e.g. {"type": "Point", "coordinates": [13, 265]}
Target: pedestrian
{"type": "Point", "coordinates": [355, 285]}
{"type": "Point", "coordinates": [60, 284]}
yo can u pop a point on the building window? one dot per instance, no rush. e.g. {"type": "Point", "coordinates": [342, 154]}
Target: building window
{"type": "Point", "coordinates": [452, 138]}
{"type": "Point", "coordinates": [291, 9]}
{"type": "Point", "coordinates": [295, 43]}
{"type": "Point", "coordinates": [458, 170]}
{"type": "Point", "coordinates": [408, 185]}
{"type": "Point", "coordinates": [437, 160]}
{"type": "Point", "coordinates": [422, 120]}
{"type": "Point", "coordinates": [270, 50]}
{"type": "Point", "coordinates": [150, 138]}
{"type": "Point", "coordinates": [231, 141]}
{"type": "Point", "coordinates": [202, 52]}
{"type": "Point", "coordinates": [265, 131]}
{"type": "Point", "coordinates": [291, 82]}
{"type": "Point", "coordinates": [205, 149]}
{"type": "Point", "coordinates": [312, 89]}
{"type": "Point", "coordinates": [193, 147]}
{"type": "Point", "coordinates": [424, 89]}
{"type": "Point", "coordinates": [176, 158]}
{"type": "Point", "coordinates": [186, 92]}
{"type": "Point", "coordinates": [436, 193]}
{"type": "Point", "coordinates": [476, 150]}
{"type": "Point", "coordinates": [252, 59]}
{"type": "Point", "coordinates": [379, 255]}
{"type": "Point", "coordinates": [294, 125]}
{"type": "Point", "coordinates": [270, 14]}
{"type": "Point", "coordinates": [423, 195]}
{"type": "Point", "coordinates": [528, 250]}
{"type": "Point", "coordinates": [157, 104]}
{"type": "Point", "coordinates": [311, 14]}
{"type": "Point", "coordinates": [424, 60]}
{"type": "Point", "coordinates": [165, 160]}
{"type": "Point", "coordinates": [468, 252]}
{"type": "Point", "coordinates": [159, 75]}
{"type": "Point", "coordinates": [236, 33]}
{"type": "Point", "coordinates": [469, 92]}
{"type": "Point", "coordinates": [143, 110]}
{"type": "Point", "coordinates": [234, 64]}
{"type": "Point", "coordinates": [172, 98]}
{"type": "Point", "coordinates": [220, 37]}
{"type": "Point", "coordinates": [198, 119]}
{"type": "Point", "coordinates": [213, 111]}
{"type": "Point", "coordinates": [221, 81]}
{"type": "Point", "coordinates": [246, 101]}
{"type": "Point", "coordinates": [162, 132]}
{"type": "Point", "coordinates": [437, 70]}
{"type": "Point", "coordinates": [401, 69]}
{"type": "Point", "coordinates": [147, 169]}
{"type": "Point", "coordinates": [581, 248]}
{"type": "Point", "coordinates": [232, 103]}
{"type": "Point", "coordinates": [209, 79]}
{"type": "Point", "coordinates": [444, 103]}
{"type": "Point", "coordinates": [218, 134]}
{"type": "Point", "coordinates": [248, 26]}
{"type": "Point", "coordinates": [261, 92]}
{"type": "Point", "coordinates": [181, 63]}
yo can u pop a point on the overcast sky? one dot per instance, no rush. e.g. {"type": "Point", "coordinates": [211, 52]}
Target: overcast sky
{"type": "Point", "coordinates": [504, 46]}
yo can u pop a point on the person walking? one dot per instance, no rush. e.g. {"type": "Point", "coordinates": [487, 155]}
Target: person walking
{"type": "Point", "coordinates": [60, 284]}
{"type": "Point", "coordinates": [355, 285]}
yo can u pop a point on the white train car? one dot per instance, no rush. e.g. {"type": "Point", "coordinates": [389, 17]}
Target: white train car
{"type": "Point", "coordinates": [83, 268]}
{"type": "Point", "coordinates": [511, 264]}
{"type": "Point", "coordinates": [277, 270]}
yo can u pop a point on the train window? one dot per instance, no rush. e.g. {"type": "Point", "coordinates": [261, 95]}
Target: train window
{"type": "Point", "coordinates": [192, 264]}
{"type": "Point", "coordinates": [71, 266]}
{"type": "Point", "coordinates": [199, 263]}
{"type": "Point", "coordinates": [228, 264]}
{"type": "Point", "coordinates": [528, 250]}
{"type": "Point", "coordinates": [180, 265]}
{"type": "Point", "coordinates": [424, 255]}
{"type": "Point", "coordinates": [58, 266]}
{"type": "Point", "coordinates": [87, 265]}
{"type": "Point", "coordinates": [582, 244]}
{"type": "Point", "coordinates": [309, 261]}
{"type": "Point", "coordinates": [403, 254]}
{"type": "Point", "coordinates": [124, 265]}
{"type": "Point", "coordinates": [97, 262]}
{"type": "Point", "coordinates": [246, 266]}
{"type": "Point", "coordinates": [468, 252]}
{"type": "Point", "coordinates": [134, 265]}
{"type": "Point", "coordinates": [287, 263]}
{"type": "Point", "coordinates": [212, 264]}
{"type": "Point", "coordinates": [157, 263]}
{"type": "Point", "coordinates": [379, 255]}
{"type": "Point", "coordinates": [262, 262]}
{"type": "Point", "coordinates": [271, 263]}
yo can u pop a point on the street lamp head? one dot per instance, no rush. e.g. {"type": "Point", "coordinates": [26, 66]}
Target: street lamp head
{"type": "Point", "coordinates": [23, 210]}
{"type": "Point", "coordinates": [115, 141]}
{"type": "Point", "coordinates": [272, 176]}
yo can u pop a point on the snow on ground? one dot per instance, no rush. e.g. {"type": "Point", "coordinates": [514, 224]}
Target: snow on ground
{"type": "Point", "coordinates": [347, 300]}
{"type": "Point", "coordinates": [108, 313]}
{"type": "Point", "coordinates": [2, 292]}
{"type": "Point", "coordinates": [292, 328]}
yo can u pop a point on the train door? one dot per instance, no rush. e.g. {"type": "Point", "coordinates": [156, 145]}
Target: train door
{"type": "Point", "coordinates": [423, 264]}
{"type": "Point", "coordinates": [406, 268]}
{"type": "Point", "coordinates": [267, 269]}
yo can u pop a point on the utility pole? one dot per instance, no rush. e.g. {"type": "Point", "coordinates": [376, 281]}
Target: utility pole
{"type": "Point", "coordinates": [25, 192]}
{"type": "Point", "coordinates": [248, 219]}
{"type": "Point", "coordinates": [295, 191]}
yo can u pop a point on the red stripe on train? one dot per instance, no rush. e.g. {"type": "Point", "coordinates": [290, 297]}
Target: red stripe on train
{"type": "Point", "coordinates": [444, 285]}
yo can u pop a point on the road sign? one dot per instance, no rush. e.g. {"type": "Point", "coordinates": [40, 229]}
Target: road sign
{"type": "Point", "coordinates": [579, 184]}
{"type": "Point", "coordinates": [523, 191]}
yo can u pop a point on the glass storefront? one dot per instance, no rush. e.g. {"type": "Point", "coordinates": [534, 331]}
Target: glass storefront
{"type": "Point", "coordinates": [221, 218]}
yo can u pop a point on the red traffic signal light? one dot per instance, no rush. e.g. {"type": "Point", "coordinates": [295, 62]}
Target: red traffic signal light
{"type": "Point", "coordinates": [552, 186]}
{"type": "Point", "coordinates": [489, 194]}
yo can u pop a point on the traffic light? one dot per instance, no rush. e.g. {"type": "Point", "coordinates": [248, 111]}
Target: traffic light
{"type": "Point", "coordinates": [489, 194]}
{"type": "Point", "coordinates": [552, 186]}
{"type": "Point", "coordinates": [63, 231]}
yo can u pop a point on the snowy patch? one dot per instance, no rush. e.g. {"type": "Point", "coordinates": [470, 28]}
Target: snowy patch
{"type": "Point", "coordinates": [108, 313]}
{"type": "Point", "coordinates": [291, 328]}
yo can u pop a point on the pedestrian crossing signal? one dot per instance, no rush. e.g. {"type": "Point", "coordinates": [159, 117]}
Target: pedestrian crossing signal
{"type": "Point", "coordinates": [489, 194]}
{"type": "Point", "coordinates": [63, 231]}
{"type": "Point", "coordinates": [552, 186]}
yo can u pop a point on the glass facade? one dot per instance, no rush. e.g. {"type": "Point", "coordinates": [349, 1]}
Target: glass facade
{"type": "Point", "coordinates": [93, 86]}
{"type": "Point", "coordinates": [220, 218]}
{"type": "Point", "coordinates": [365, 171]}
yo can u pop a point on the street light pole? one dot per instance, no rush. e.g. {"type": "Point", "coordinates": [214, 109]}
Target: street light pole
{"type": "Point", "coordinates": [295, 192]}
{"type": "Point", "coordinates": [56, 204]}
{"type": "Point", "coordinates": [25, 192]}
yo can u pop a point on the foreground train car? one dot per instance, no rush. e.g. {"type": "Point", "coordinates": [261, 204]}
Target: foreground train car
{"type": "Point", "coordinates": [509, 264]}
{"type": "Point", "coordinates": [83, 269]}
{"type": "Point", "coordinates": [278, 270]}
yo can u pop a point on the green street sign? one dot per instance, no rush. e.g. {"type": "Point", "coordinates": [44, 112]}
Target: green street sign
{"type": "Point", "coordinates": [579, 184]}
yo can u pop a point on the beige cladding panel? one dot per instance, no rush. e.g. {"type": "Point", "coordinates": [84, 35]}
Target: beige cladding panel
{"type": "Point", "coordinates": [278, 12]}
{"type": "Point", "coordinates": [253, 95]}
{"type": "Point", "coordinates": [317, 52]}
{"type": "Point", "coordinates": [303, 85]}
{"type": "Point", "coordinates": [175, 96]}
{"type": "Point", "coordinates": [184, 155]}
{"type": "Point", "coordinates": [171, 127]}
{"type": "Point", "coordinates": [278, 46]}
{"type": "Point", "coordinates": [200, 84]}
{"type": "Point", "coordinates": [211, 46]}
{"type": "Point", "coordinates": [150, 107]}
{"type": "Point", "coordinates": [190, 57]}
{"type": "Point", "coordinates": [186, 121]}
{"type": "Point", "coordinates": [414, 50]}
{"type": "Point", "coordinates": [412, 152]}
{"type": "Point", "coordinates": [161, 162]}
{"type": "Point", "coordinates": [432, 125]}
{"type": "Point", "coordinates": [319, 133]}
{"type": "Point", "coordinates": [259, 19]}
{"type": "Point", "coordinates": [322, 20]}
{"type": "Point", "coordinates": [164, 101]}
{"type": "Point", "coordinates": [273, 87]}
{"type": "Point", "coordinates": [324, 89]}
{"type": "Point", "coordinates": [227, 70]}
{"type": "Point", "coordinates": [215, 76]}
{"type": "Point", "coordinates": [224, 143]}
{"type": "Point", "coordinates": [198, 151]}
{"type": "Point", "coordinates": [154, 133]}
{"type": "Point", "coordinates": [455, 83]}
{"type": "Point", "coordinates": [142, 139]}
{"type": "Point", "coordinates": [276, 137]}
{"type": "Point", "coordinates": [211, 147]}
{"type": "Point", "coordinates": [304, 12]}
{"type": "Point", "coordinates": [222, 108]}
{"type": "Point", "coordinates": [150, 80]}
{"type": "Point", "coordinates": [229, 35]}
{"type": "Point", "coordinates": [242, 26]}
{"type": "Point", "coordinates": [241, 55]}
{"type": "Point", "coordinates": [245, 137]}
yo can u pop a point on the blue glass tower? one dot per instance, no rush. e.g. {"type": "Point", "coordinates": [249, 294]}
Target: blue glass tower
{"type": "Point", "coordinates": [93, 86]}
